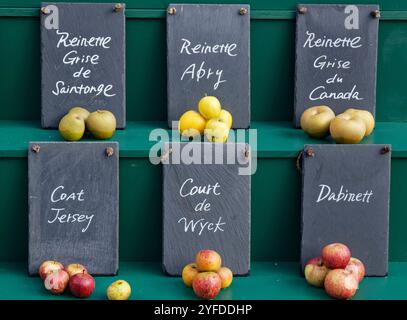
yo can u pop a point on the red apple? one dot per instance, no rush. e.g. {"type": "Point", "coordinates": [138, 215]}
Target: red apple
{"type": "Point", "coordinates": [356, 267]}
{"type": "Point", "coordinates": [82, 285]}
{"type": "Point", "coordinates": [207, 285]}
{"type": "Point", "coordinates": [315, 272]}
{"type": "Point", "coordinates": [56, 281]}
{"type": "Point", "coordinates": [48, 266]}
{"type": "Point", "coordinates": [208, 260]}
{"type": "Point", "coordinates": [336, 256]}
{"type": "Point", "coordinates": [341, 284]}
{"type": "Point", "coordinates": [75, 268]}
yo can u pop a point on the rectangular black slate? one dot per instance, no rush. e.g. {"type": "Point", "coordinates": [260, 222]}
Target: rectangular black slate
{"type": "Point", "coordinates": [93, 241]}
{"type": "Point", "coordinates": [328, 21]}
{"type": "Point", "coordinates": [362, 225]}
{"type": "Point", "coordinates": [106, 61]}
{"type": "Point", "coordinates": [229, 206]}
{"type": "Point", "coordinates": [209, 25]}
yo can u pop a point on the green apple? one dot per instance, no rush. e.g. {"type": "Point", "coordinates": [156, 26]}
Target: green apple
{"type": "Point", "coordinates": [315, 121]}
{"type": "Point", "coordinates": [347, 128]}
{"type": "Point", "coordinates": [367, 118]}
{"type": "Point", "coordinates": [216, 130]}
{"type": "Point", "coordinates": [71, 127]}
{"type": "Point", "coordinates": [119, 290]}
{"type": "Point", "coordinates": [82, 112]}
{"type": "Point", "coordinates": [209, 107]}
{"type": "Point", "coordinates": [102, 124]}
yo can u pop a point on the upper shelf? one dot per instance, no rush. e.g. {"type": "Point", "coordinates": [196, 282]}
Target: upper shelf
{"type": "Point", "coordinates": [274, 139]}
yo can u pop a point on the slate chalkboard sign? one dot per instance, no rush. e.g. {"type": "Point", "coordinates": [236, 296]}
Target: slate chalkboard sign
{"type": "Point", "coordinates": [336, 55]}
{"type": "Point", "coordinates": [208, 53]}
{"type": "Point", "coordinates": [82, 59]}
{"type": "Point", "coordinates": [206, 204]}
{"type": "Point", "coordinates": [345, 198]}
{"type": "Point", "coordinates": [73, 204]}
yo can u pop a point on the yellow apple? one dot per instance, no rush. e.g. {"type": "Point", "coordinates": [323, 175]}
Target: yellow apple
{"type": "Point", "coordinates": [226, 117]}
{"type": "Point", "coordinates": [82, 112]}
{"type": "Point", "coordinates": [102, 124]}
{"type": "Point", "coordinates": [315, 121]}
{"type": "Point", "coordinates": [347, 128]}
{"type": "Point", "coordinates": [367, 118]}
{"type": "Point", "coordinates": [226, 275]}
{"type": "Point", "coordinates": [191, 124]}
{"type": "Point", "coordinates": [189, 273]}
{"type": "Point", "coordinates": [216, 130]}
{"type": "Point", "coordinates": [72, 127]}
{"type": "Point", "coordinates": [209, 107]}
{"type": "Point", "coordinates": [119, 290]}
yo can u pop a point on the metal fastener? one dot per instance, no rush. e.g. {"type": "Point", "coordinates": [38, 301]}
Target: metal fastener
{"type": "Point", "coordinates": [242, 11]}
{"type": "Point", "coordinates": [109, 151]}
{"type": "Point", "coordinates": [375, 14]}
{"type": "Point", "coordinates": [172, 10]}
{"type": "Point", "coordinates": [310, 152]}
{"type": "Point", "coordinates": [36, 148]}
{"type": "Point", "coordinates": [385, 149]}
{"type": "Point", "coordinates": [118, 7]}
{"type": "Point", "coordinates": [45, 10]}
{"type": "Point", "coordinates": [302, 10]}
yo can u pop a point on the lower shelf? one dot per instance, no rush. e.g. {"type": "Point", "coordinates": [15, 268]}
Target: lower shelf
{"type": "Point", "coordinates": [267, 281]}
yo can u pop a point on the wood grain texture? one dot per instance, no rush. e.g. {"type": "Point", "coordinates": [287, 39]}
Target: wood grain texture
{"type": "Point", "coordinates": [86, 21]}
{"type": "Point", "coordinates": [91, 239]}
{"type": "Point", "coordinates": [209, 25]}
{"type": "Point", "coordinates": [327, 22]}
{"type": "Point", "coordinates": [227, 222]}
{"type": "Point", "coordinates": [362, 225]}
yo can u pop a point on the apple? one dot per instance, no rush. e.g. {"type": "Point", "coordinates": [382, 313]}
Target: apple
{"type": "Point", "coordinates": [102, 124]}
{"type": "Point", "coordinates": [191, 124]}
{"type": "Point", "coordinates": [315, 272]}
{"type": "Point", "coordinates": [356, 267]}
{"type": "Point", "coordinates": [56, 281]}
{"type": "Point", "coordinates": [71, 127]}
{"type": "Point", "coordinates": [216, 130]}
{"type": "Point", "coordinates": [119, 290]}
{"type": "Point", "coordinates": [82, 285]}
{"type": "Point", "coordinates": [208, 260]}
{"type": "Point", "coordinates": [48, 266]}
{"type": "Point", "coordinates": [336, 256]}
{"type": "Point", "coordinates": [82, 112]}
{"type": "Point", "coordinates": [209, 107]}
{"type": "Point", "coordinates": [315, 121]}
{"type": "Point", "coordinates": [348, 128]}
{"type": "Point", "coordinates": [226, 117]}
{"type": "Point", "coordinates": [207, 285]}
{"type": "Point", "coordinates": [189, 273]}
{"type": "Point", "coordinates": [226, 276]}
{"type": "Point", "coordinates": [75, 268]}
{"type": "Point", "coordinates": [340, 284]}
{"type": "Point", "coordinates": [367, 118]}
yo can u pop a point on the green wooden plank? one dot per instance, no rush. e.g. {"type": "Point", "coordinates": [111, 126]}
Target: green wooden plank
{"type": "Point", "coordinates": [268, 281]}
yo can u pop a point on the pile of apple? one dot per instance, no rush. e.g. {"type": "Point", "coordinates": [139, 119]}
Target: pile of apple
{"type": "Point", "coordinates": [348, 127]}
{"type": "Point", "coordinates": [207, 276]}
{"type": "Point", "coordinates": [57, 278]}
{"type": "Point", "coordinates": [211, 120]}
{"type": "Point", "coordinates": [101, 124]}
{"type": "Point", "coordinates": [336, 271]}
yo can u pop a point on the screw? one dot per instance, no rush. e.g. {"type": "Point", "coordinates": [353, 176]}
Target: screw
{"type": "Point", "coordinates": [375, 14]}
{"type": "Point", "coordinates": [242, 11]}
{"type": "Point", "coordinates": [385, 149]}
{"type": "Point", "coordinates": [109, 151]}
{"type": "Point", "coordinates": [247, 153]}
{"type": "Point", "coordinates": [45, 10]}
{"type": "Point", "coordinates": [310, 152]}
{"type": "Point", "coordinates": [36, 148]}
{"type": "Point", "coordinates": [302, 10]}
{"type": "Point", "coordinates": [118, 7]}
{"type": "Point", "coordinates": [172, 10]}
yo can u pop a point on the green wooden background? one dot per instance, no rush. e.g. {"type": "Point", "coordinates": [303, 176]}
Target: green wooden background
{"type": "Point", "coordinates": [275, 186]}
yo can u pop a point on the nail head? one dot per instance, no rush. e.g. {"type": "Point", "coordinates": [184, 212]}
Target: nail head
{"type": "Point", "coordinates": [36, 148]}
{"type": "Point", "coordinates": [375, 14]}
{"type": "Point", "coordinates": [118, 7]}
{"type": "Point", "coordinates": [242, 11]}
{"type": "Point", "coordinates": [109, 151]}
{"type": "Point", "coordinates": [172, 10]}
{"type": "Point", "coordinates": [302, 10]}
{"type": "Point", "coordinates": [45, 10]}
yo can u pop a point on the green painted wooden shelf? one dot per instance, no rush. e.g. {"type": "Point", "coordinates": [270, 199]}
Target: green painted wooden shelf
{"type": "Point", "coordinates": [275, 139]}
{"type": "Point", "coordinates": [267, 280]}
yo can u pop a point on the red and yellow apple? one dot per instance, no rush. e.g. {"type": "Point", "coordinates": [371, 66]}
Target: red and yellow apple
{"type": "Point", "coordinates": [315, 272]}
{"type": "Point", "coordinates": [226, 276]}
{"type": "Point", "coordinates": [189, 273]}
{"type": "Point", "coordinates": [340, 284]}
{"type": "Point", "coordinates": [315, 121]}
{"type": "Point", "coordinates": [75, 268]}
{"type": "Point", "coordinates": [348, 128]}
{"type": "Point", "coordinates": [336, 256]}
{"type": "Point", "coordinates": [357, 268]}
{"type": "Point", "coordinates": [367, 118]}
{"type": "Point", "coordinates": [56, 281]}
{"type": "Point", "coordinates": [208, 260]}
{"type": "Point", "coordinates": [207, 285]}
{"type": "Point", "coordinates": [81, 285]}
{"type": "Point", "coordinates": [48, 266]}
